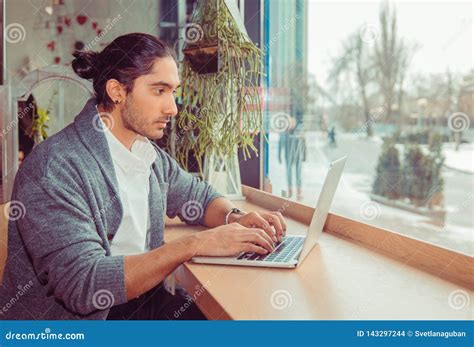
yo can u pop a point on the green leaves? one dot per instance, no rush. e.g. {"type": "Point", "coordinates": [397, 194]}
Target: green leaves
{"type": "Point", "coordinates": [230, 97]}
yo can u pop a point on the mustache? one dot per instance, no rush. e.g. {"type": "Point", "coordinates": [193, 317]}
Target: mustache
{"type": "Point", "coordinates": [167, 119]}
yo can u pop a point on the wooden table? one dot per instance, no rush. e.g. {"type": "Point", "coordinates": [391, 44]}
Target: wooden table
{"type": "Point", "coordinates": [339, 279]}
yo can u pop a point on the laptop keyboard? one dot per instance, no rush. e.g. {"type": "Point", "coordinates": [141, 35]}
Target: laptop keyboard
{"type": "Point", "coordinates": [284, 251]}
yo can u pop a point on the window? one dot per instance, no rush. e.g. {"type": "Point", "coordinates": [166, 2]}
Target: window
{"type": "Point", "coordinates": [388, 86]}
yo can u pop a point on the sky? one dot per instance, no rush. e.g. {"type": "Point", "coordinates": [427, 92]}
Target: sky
{"type": "Point", "coordinates": [444, 30]}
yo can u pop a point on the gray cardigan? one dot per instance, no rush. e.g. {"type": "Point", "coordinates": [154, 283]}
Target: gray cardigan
{"type": "Point", "coordinates": [59, 264]}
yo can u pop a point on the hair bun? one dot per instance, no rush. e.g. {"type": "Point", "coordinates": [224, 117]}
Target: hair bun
{"type": "Point", "coordinates": [85, 64]}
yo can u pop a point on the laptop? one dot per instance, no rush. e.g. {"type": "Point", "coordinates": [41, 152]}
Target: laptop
{"type": "Point", "coordinates": [293, 249]}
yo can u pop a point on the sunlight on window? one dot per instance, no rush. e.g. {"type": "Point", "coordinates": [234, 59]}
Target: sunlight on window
{"type": "Point", "coordinates": [389, 85]}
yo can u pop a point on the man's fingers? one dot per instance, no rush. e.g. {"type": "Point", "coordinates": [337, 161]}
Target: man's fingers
{"type": "Point", "coordinates": [282, 221]}
{"type": "Point", "coordinates": [274, 220]}
{"type": "Point", "coordinates": [250, 247]}
{"type": "Point", "coordinates": [260, 222]}
{"type": "Point", "coordinates": [259, 237]}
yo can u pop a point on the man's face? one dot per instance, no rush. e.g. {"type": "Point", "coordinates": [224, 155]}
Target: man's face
{"type": "Point", "coordinates": [151, 104]}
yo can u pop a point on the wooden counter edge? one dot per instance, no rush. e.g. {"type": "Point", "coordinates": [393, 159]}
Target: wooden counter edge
{"type": "Point", "coordinates": [447, 264]}
{"type": "Point", "coordinates": [199, 293]}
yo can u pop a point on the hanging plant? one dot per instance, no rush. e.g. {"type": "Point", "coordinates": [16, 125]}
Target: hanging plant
{"type": "Point", "coordinates": [220, 77]}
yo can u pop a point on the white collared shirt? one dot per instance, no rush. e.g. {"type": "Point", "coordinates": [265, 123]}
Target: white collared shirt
{"type": "Point", "coordinates": [133, 169]}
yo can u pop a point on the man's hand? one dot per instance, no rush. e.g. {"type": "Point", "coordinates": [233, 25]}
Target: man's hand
{"type": "Point", "coordinates": [144, 271]}
{"type": "Point", "coordinates": [263, 220]}
{"type": "Point", "coordinates": [231, 239]}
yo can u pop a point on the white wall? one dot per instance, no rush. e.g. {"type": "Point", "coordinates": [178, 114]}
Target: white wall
{"type": "Point", "coordinates": [115, 17]}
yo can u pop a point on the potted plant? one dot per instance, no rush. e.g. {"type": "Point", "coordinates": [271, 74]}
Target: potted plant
{"type": "Point", "coordinates": [221, 109]}
{"type": "Point", "coordinates": [388, 172]}
{"type": "Point", "coordinates": [416, 183]}
{"type": "Point", "coordinates": [39, 125]}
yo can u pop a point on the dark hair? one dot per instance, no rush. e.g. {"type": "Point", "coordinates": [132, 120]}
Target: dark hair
{"type": "Point", "coordinates": [124, 59]}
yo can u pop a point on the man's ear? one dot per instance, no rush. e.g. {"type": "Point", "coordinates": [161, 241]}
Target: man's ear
{"type": "Point", "coordinates": [115, 90]}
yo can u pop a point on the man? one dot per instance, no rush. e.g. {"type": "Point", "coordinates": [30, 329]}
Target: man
{"type": "Point", "coordinates": [90, 241]}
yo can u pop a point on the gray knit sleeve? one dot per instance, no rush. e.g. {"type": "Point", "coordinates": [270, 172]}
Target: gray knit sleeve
{"type": "Point", "coordinates": [65, 247]}
{"type": "Point", "coordinates": [188, 197]}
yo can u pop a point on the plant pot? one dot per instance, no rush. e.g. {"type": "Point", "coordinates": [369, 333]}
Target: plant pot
{"type": "Point", "coordinates": [203, 59]}
{"type": "Point", "coordinates": [438, 214]}
{"type": "Point", "coordinates": [37, 138]}
{"type": "Point", "coordinates": [223, 173]}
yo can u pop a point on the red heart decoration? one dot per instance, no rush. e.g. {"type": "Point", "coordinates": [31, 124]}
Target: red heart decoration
{"type": "Point", "coordinates": [81, 19]}
{"type": "Point", "coordinates": [99, 32]}
{"type": "Point", "coordinates": [57, 60]}
{"type": "Point", "coordinates": [59, 29]}
{"type": "Point", "coordinates": [95, 25]}
{"type": "Point", "coordinates": [67, 21]}
{"type": "Point", "coordinates": [51, 46]}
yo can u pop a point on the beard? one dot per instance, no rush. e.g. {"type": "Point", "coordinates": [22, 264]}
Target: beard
{"type": "Point", "coordinates": [134, 119]}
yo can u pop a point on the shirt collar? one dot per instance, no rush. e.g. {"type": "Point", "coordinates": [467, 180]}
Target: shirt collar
{"type": "Point", "coordinates": [140, 158]}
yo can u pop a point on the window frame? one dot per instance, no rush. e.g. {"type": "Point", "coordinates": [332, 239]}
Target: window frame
{"type": "Point", "coordinates": [423, 255]}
